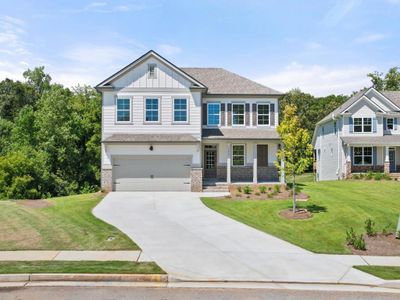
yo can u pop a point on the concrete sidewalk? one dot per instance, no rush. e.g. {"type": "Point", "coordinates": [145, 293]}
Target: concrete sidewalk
{"type": "Point", "coordinates": [73, 255]}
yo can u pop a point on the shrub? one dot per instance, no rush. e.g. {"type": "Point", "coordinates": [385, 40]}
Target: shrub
{"type": "Point", "coordinates": [350, 236]}
{"type": "Point", "coordinates": [359, 243]}
{"type": "Point", "coordinates": [277, 188]}
{"type": "Point", "coordinates": [257, 193]}
{"type": "Point", "coordinates": [247, 189]}
{"type": "Point", "coordinates": [269, 195]}
{"type": "Point", "coordinates": [269, 188]}
{"type": "Point", "coordinates": [386, 176]}
{"type": "Point", "coordinates": [356, 176]}
{"type": "Point", "coordinates": [262, 189]}
{"type": "Point", "coordinates": [369, 175]}
{"type": "Point", "coordinates": [239, 189]}
{"type": "Point", "coordinates": [378, 176]}
{"type": "Point", "coordinates": [238, 195]}
{"type": "Point", "coordinates": [386, 229]}
{"type": "Point", "coordinates": [370, 227]}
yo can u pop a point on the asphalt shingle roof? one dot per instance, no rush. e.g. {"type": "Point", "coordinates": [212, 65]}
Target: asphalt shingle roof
{"type": "Point", "coordinates": [240, 134]}
{"type": "Point", "coordinates": [393, 140]}
{"type": "Point", "coordinates": [146, 138]}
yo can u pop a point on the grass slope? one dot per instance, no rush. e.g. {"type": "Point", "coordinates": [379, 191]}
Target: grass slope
{"type": "Point", "coordinates": [66, 224]}
{"type": "Point", "coordinates": [89, 267]}
{"type": "Point", "coordinates": [336, 205]}
{"type": "Point", "coordinates": [384, 272]}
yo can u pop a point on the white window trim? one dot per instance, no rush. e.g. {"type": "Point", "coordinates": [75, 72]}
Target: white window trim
{"type": "Point", "coordinates": [244, 155]}
{"type": "Point", "coordinates": [362, 156]}
{"type": "Point", "coordinates": [173, 110]}
{"type": "Point", "coordinates": [387, 119]}
{"type": "Point", "coordinates": [154, 76]}
{"type": "Point", "coordinates": [116, 110]}
{"type": "Point", "coordinates": [159, 110]}
{"type": "Point", "coordinates": [269, 114]}
{"type": "Point", "coordinates": [244, 114]}
{"type": "Point", "coordinates": [362, 125]}
{"type": "Point", "coordinates": [219, 115]}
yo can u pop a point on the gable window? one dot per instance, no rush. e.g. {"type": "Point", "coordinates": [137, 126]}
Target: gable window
{"type": "Point", "coordinates": [362, 124]}
{"type": "Point", "coordinates": [152, 74]}
{"type": "Point", "coordinates": [180, 110]}
{"type": "Point", "coordinates": [238, 114]}
{"type": "Point", "coordinates": [362, 156]}
{"type": "Point", "coordinates": [238, 155]}
{"type": "Point", "coordinates": [213, 111]}
{"type": "Point", "coordinates": [123, 110]}
{"type": "Point", "coordinates": [263, 114]}
{"type": "Point", "coordinates": [152, 110]}
{"type": "Point", "coordinates": [389, 124]}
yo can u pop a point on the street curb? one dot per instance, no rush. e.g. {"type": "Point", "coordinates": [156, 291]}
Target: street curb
{"type": "Point", "coordinates": [392, 284]}
{"type": "Point", "coordinates": [84, 277]}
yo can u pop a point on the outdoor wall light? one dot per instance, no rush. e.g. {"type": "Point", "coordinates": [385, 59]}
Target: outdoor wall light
{"type": "Point", "coordinates": [151, 148]}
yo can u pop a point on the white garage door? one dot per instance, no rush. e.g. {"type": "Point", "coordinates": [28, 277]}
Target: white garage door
{"type": "Point", "coordinates": [151, 173]}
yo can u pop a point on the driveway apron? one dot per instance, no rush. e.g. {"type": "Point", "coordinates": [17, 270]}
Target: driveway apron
{"type": "Point", "coordinates": [192, 242]}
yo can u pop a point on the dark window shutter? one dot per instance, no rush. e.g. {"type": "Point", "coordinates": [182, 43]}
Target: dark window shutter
{"type": "Point", "coordinates": [395, 124]}
{"type": "Point", "coordinates": [272, 114]}
{"type": "Point", "coordinates": [254, 114]}
{"type": "Point", "coordinates": [374, 124]}
{"type": "Point", "coordinates": [247, 114]}
{"type": "Point", "coordinates": [384, 124]}
{"type": "Point", "coordinates": [222, 114]}
{"type": "Point", "coordinates": [229, 114]}
{"type": "Point", "coordinates": [374, 156]}
{"type": "Point", "coordinates": [204, 113]}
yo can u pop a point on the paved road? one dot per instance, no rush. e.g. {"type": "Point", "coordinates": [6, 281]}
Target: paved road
{"type": "Point", "coordinates": [122, 293]}
{"type": "Point", "coordinates": [192, 242]}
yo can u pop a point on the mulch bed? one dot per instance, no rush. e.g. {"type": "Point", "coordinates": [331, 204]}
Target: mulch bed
{"type": "Point", "coordinates": [34, 203]}
{"type": "Point", "coordinates": [300, 214]}
{"type": "Point", "coordinates": [269, 195]}
{"type": "Point", "coordinates": [385, 245]}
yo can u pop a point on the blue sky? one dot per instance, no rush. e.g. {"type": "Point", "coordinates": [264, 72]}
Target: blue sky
{"type": "Point", "coordinates": [322, 47]}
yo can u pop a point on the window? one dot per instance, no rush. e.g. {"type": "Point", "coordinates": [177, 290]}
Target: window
{"type": "Point", "coordinates": [362, 156]}
{"type": "Point", "coordinates": [323, 131]}
{"type": "Point", "coordinates": [238, 114]}
{"type": "Point", "coordinates": [362, 125]}
{"type": "Point", "coordinates": [213, 110]}
{"type": "Point", "coordinates": [238, 155]}
{"type": "Point", "coordinates": [123, 110]}
{"type": "Point", "coordinates": [152, 74]}
{"type": "Point", "coordinates": [180, 110]}
{"type": "Point", "coordinates": [152, 110]}
{"type": "Point", "coordinates": [390, 124]}
{"type": "Point", "coordinates": [263, 114]}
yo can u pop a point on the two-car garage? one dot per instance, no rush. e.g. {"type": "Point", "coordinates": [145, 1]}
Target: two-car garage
{"type": "Point", "coordinates": [151, 172]}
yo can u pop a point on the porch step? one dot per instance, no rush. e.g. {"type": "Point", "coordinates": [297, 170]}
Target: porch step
{"type": "Point", "coordinates": [215, 187]}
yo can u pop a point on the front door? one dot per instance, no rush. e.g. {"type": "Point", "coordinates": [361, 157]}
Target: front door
{"type": "Point", "coordinates": [262, 155]}
{"type": "Point", "coordinates": [392, 159]}
{"type": "Point", "coordinates": [210, 161]}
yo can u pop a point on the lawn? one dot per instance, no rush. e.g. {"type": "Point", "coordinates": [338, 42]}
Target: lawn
{"type": "Point", "coordinates": [64, 223]}
{"type": "Point", "coordinates": [89, 267]}
{"type": "Point", "coordinates": [336, 206]}
{"type": "Point", "coordinates": [384, 272]}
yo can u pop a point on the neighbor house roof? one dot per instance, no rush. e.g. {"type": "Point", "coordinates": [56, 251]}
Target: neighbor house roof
{"type": "Point", "coordinates": [222, 82]}
{"type": "Point", "coordinates": [385, 140]}
{"type": "Point", "coordinates": [240, 134]}
{"type": "Point", "coordinates": [394, 96]}
{"type": "Point", "coordinates": [150, 138]}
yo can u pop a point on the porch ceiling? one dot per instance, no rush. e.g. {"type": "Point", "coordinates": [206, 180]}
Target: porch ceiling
{"type": "Point", "coordinates": [386, 140]}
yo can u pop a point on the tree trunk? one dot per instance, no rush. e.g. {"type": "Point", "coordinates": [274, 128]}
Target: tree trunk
{"type": "Point", "coordinates": [294, 193]}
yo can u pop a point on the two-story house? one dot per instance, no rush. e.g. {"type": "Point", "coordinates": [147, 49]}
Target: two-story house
{"type": "Point", "coordinates": [359, 136]}
{"type": "Point", "coordinates": [171, 128]}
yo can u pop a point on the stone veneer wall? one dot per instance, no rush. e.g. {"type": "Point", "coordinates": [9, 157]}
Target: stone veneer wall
{"type": "Point", "coordinates": [364, 169]}
{"type": "Point", "coordinates": [106, 180]}
{"type": "Point", "coordinates": [245, 173]}
{"type": "Point", "coordinates": [196, 179]}
{"type": "Point", "coordinates": [269, 173]}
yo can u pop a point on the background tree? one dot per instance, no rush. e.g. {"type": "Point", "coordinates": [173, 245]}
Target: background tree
{"type": "Point", "coordinates": [388, 82]}
{"type": "Point", "coordinates": [296, 151]}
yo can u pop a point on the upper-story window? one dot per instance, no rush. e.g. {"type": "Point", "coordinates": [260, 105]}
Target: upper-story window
{"type": "Point", "coordinates": [180, 110]}
{"type": "Point", "coordinates": [152, 74]}
{"type": "Point", "coordinates": [213, 111]}
{"type": "Point", "coordinates": [123, 110]}
{"type": "Point", "coordinates": [362, 124]}
{"type": "Point", "coordinates": [389, 124]}
{"type": "Point", "coordinates": [238, 114]}
{"type": "Point", "coordinates": [152, 110]}
{"type": "Point", "coordinates": [263, 114]}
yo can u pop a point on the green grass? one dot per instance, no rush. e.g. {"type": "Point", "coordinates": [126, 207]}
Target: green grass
{"type": "Point", "coordinates": [89, 267]}
{"type": "Point", "coordinates": [384, 272]}
{"type": "Point", "coordinates": [66, 224]}
{"type": "Point", "coordinates": [336, 205]}
{"type": "Point", "coordinates": [306, 177]}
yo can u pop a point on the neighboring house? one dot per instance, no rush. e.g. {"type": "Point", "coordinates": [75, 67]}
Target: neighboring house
{"type": "Point", "coordinates": [171, 128]}
{"type": "Point", "coordinates": [359, 136]}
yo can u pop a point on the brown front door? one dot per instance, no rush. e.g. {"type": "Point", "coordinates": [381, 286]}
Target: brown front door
{"type": "Point", "coordinates": [210, 161]}
{"type": "Point", "coordinates": [262, 155]}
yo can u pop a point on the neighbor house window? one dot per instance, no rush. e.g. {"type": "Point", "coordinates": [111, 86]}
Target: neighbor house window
{"type": "Point", "coordinates": [362, 156]}
{"type": "Point", "coordinates": [213, 110]}
{"type": "Point", "coordinates": [180, 110]}
{"type": "Point", "coordinates": [362, 124]}
{"type": "Point", "coordinates": [123, 110]}
{"type": "Point", "coordinates": [238, 155]}
{"type": "Point", "coordinates": [335, 127]}
{"type": "Point", "coordinates": [263, 114]}
{"type": "Point", "coordinates": [152, 110]}
{"type": "Point", "coordinates": [152, 71]}
{"type": "Point", "coordinates": [238, 114]}
{"type": "Point", "coordinates": [390, 124]}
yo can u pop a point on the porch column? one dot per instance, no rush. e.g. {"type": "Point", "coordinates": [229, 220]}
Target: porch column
{"type": "Point", "coordinates": [228, 164]}
{"type": "Point", "coordinates": [386, 164]}
{"type": "Point", "coordinates": [282, 179]}
{"type": "Point", "coordinates": [255, 179]}
{"type": "Point", "coordinates": [348, 162]}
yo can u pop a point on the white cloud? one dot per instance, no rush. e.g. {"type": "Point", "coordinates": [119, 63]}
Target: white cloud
{"type": "Point", "coordinates": [313, 46]}
{"type": "Point", "coordinates": [105, 7]}
{"type": "Point", "coordinates": [340, 10]}
{"type": "Point", "coordinates": [370, 38]}
{"type": "Point", "coordinates": [168, 50]}
{"type": "Point", "coordinates": [12, 31]}
{"type": "Point", "coordinates": [317, 79]}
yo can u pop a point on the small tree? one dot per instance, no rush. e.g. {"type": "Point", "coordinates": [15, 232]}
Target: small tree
{"type": "Point", "coordinates": [296, 151]}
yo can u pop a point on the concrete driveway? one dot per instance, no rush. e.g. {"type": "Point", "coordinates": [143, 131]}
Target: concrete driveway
{"type": "Point", "coordinates": [192, 242]}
